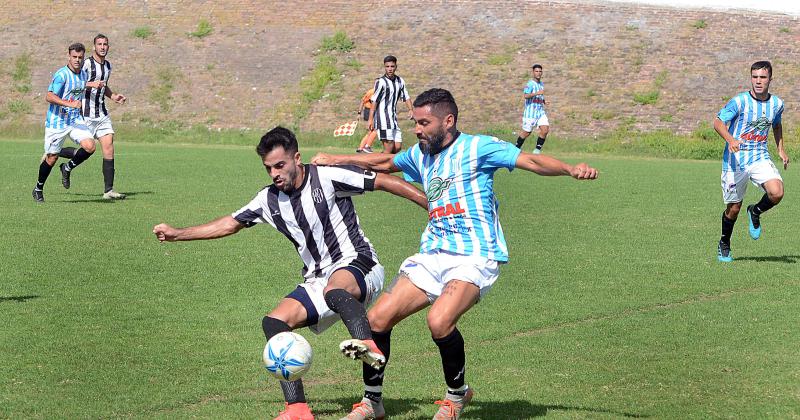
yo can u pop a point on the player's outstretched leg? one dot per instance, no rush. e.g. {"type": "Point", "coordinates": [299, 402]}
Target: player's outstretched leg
{"type": "Point", "coordinates": [66, 168]}
{"type": "Point", "coordinates": [365, 350]}
{"type": "Point", "coordinates": [724, 245]}
{"type": "Point", "coordinates": [755, 223]}
{"type": "Point", "coordinates": [371, 406]}
{"type": "Point", "coordinates": [361, 346]}
{"type": "Point", "coordinates": [293, 392]}
{"type": "Point", "coordinates": [724, 252]}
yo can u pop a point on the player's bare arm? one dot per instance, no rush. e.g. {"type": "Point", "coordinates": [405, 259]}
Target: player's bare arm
{"type": "Point", "coordinates": [55, 99]}
{"type": "Point", "coordinates": [116, 97]}
{"type": "Point", "coordinates": [410, 109]}
{"type": "Point", "coordinates": [777, 131]}
{"type": "Point", "coordinates": [98, 84]}
{"type": "Point", "coordinates": [548, 166]}
{"type": "Point", "coordinates": [400, 188]}
{"type": "Point", "coordinates": [218, 228]}
{"type": "Point", "coordinates": [722, 130]}
{"type": "Point", "coordinates": [378, 162]}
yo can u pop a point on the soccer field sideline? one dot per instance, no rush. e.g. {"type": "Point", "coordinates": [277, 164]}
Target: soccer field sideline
{"type": "Point", "coordinates": [624, 310]}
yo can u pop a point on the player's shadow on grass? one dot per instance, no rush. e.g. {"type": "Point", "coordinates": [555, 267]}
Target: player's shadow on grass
{"type": "Point", "coordinates": [19, 299]}
{"type": "Point", "coordinates": [478, 409]}
{"type": "Point", "coordinates": [788, 259]}
{"type": "Point", "coordinates": [100, 199]}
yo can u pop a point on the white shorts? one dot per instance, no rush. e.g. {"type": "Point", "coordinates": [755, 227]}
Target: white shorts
{"type": "Point", "coordinates": [432, 271]}
{"type": "Point", "coordinates": [54, 137]}
{"type": "Point", "coordinates": [390, 134]}
{"type": "Point", "coordinates": [99, 127]}
{"type": "Point", "coordinates": [734, 183]}
{"type": "Point", "coordinates": [529, 123]}
{"type": "Point", "coordinates": [310, 295]}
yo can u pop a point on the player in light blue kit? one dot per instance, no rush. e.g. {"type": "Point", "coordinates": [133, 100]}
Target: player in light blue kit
{"type": "Point", "coordinates": [64, 119]}
{"type": "Point", "coordinates": [462, 246]}
{"type": "Point", "coordinates": [744, 123]}
{"type": "Point", "coordinates": [533, 114]}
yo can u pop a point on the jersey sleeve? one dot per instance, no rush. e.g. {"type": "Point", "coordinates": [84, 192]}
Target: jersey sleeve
{"type": "Point", "coordinates": [778, 115]}
{"type": "Point", "coordinates": [407, 161]}
{"type": "Point", "coordinates": [377, 91]}
{"type": "Point", "coordinates": [528, 88]}
{"type": "Point", "coordinates": [57, 85]}
{"type": "Point", "coordinates": [405, 92]}
{"type": "Point", "coordinates": [730, 111]}
{"type": "Point", "coordinates": [348, 180]}
{"type": "Point", "coordinates": [254, 212]}
{"type": "Point", "coordinates": [496, 153]}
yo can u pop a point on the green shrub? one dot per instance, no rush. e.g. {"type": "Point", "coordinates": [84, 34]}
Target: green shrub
{"type": "Point", "coordinates": [204, 29]}
{"type": "Point", "coordinates": [646, 98]}
{"type": "Point", "coordinates": [699, 24]}
{"type": "Point", "coordinates": [338, 42]}
{"type": "Point", "coordinates": [18, 106]}
{"type": "Point", "coordinates": [500, 59]}
{"type": "Point", "coordinates": [142, 32]}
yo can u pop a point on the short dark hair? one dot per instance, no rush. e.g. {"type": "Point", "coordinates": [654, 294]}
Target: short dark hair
{"type": "Point", "coordinates": [99, 36]}
{"type": "Point", "coordinates": [536, 66]}
{"type": "Point", "coordinates": [77, 47]}
{"type": "Point", "coordinates": [389, 58]}
{"type": "Point", "coordinates": [758, 65]}
{"type": "Point", "coordinates": [440, 100]}
{"type": "Point", "coordinates": [277, 137]}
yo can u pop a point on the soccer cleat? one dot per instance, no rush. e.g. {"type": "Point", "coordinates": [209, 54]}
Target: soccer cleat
{"type": "Point", "coordinates": [64, 176]}
{"type": "Point", "coordinates": [366, 410]}
{"type": "Point", "coordinates": [724, 252]}
{"type": "Point", "coordinates": [452, 405]}
{"type": "Point", "coordinates": [366, 350]}
{"type": "Point", "coordinates": [295, 411]}
{"type": "Point", "coordinates": [755, 223]}
{"type": "Point", "coordinates": [367, 149]}
{"type": "Point", "coordinates": [113, 195]}
{"type": "Point", "coordinates": [537, 151]}
{"type": "Point", "coordinates": [38, 195]}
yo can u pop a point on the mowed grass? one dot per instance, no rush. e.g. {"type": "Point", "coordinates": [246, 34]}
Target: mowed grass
{"type": "Point", "coordinates": [613, 304]}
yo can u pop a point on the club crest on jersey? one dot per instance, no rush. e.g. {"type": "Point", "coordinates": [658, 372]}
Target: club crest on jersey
{"type": "Point", "coordinates": [437, 187]}
{"type": "Point", "coordinates": [760, 124]}
{"type": "Point", "coordinates": [76, 93]}
{"type": "Point", "coordinates": [317, 196]}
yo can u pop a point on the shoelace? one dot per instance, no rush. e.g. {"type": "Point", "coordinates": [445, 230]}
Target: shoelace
{"type": "Point", "coordinates": [361, 408]}
{"type": "Point", "coordinates": [448, 406]}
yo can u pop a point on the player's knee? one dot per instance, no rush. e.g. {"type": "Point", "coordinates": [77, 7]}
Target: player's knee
{"type": "Point", "coordinates": [88, 146]}
{"type": "Point", "coordinates": [378, 321]}
{"type": "Point", "coordinates": [273, 326]}
{"type": "Point", "coordinates": [544, 130]}
{"type": "Point", "coordinates": [439, 324]}
{"type": "Point", "coordinates": [776, 195]}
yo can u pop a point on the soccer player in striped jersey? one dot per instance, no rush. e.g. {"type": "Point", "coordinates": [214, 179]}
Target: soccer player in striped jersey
{"type": "Point", "coordinates": [461, 247]}
{"type": "Point", "coordinates": [64, 119]}
{"type": "Point", "coordinates": [744, 123]}
{"type": "Point", "coordinates": [95, 113]}
{"type": "Point", "coordinates": [389, 90]}
{"type": "Point", "coordinates": [311, 206]}
{"type": "Point", "coordinates": [533, 114]}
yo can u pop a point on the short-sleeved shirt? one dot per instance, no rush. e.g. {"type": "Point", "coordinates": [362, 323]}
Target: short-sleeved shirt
{"type": "Point", "coordinates": [462, 207]}
{"type": "Point", "coordinates": [318, 218]}
{"type": "Point", "coordinates": [749, 120]}
{"type": "Point", "coordinates": [387, 93]}
{"type": "Point", "coordinates": [534, 106]}
{"type": "Point", "coordinates": [68, 86]}
{"type": "Point", "coordinates": [366, 100]}
{"type": "Point", "coordinates": [94, 101]}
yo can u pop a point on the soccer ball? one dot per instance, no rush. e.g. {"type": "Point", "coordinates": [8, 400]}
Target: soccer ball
{"type": "Point", "coordinates": [287, 356]}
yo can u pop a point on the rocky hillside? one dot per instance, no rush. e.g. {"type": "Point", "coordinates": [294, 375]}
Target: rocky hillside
{"type": "Point", "coordinates": [241, 64]}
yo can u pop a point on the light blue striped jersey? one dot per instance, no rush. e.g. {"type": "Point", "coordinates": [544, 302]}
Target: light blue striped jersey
{"type": "Point", "coordinates": [68, 86]}
{"type": "Point", "coordinates": [534, 107]}
{"type": "Point", "coordinates": [749, 120]}
{"type": "Point", "coordinates": [462, 207]}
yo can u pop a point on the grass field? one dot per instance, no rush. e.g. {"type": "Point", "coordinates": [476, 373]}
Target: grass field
{"type": "Point", "coordinates": [613, 304]}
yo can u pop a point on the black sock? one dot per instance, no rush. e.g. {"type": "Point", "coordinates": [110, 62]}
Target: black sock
{"type": "Point", "coordinates": [108, 174]}
{"type": "Point", "coordinates": [539, 143]}
{"type": "Point", "coordinates": [763, 205]}
{"type": "Point", "coordinates": [451, 348]}
{"type": "Point", "coordinates": [80, 156]}
{"type": "Point", "coordinates": [372, 376]}
{"type": "Point", "coordinates": [727, 229]}
{"type": "Point", "coordinates": [292, 391]}
{"type": "Point", "coordinates": [67, 152]}
{"type": "Point", "coordinates": [351, 311]}
{"type": "Point", "coordinates": [520, 140]}
{"type": "Point", "coordinates": [44, 172]}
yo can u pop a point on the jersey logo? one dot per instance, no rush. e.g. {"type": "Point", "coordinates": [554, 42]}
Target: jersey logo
{"type": "Point", "coordinates": [437, 187]}
{"type": "Point", "coordinates": [317, 195]}
{"type": "Point", "coordinates": [759, 124]}
{"type": "Point", "coordinates": [76, 93]}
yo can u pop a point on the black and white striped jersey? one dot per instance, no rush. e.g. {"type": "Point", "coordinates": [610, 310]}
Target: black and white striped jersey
{"type": "Point", "coordinates": [387, 94]}
{"type": "Point", "coordinates": [94, 100]}
{"type": "Point", "coordinates": [318, 218]}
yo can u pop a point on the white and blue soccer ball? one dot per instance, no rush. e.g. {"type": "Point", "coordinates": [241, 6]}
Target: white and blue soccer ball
{"type": "Point", "coordinates": [287, 356]}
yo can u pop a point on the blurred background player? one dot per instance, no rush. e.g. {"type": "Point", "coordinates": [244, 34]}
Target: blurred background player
{"type": "Point", "coordinates": [744, 123]}
{"type": "Point", "coordinates": [64, 119]}
{"type": "Point", "coordinates": [389, 90]}
{"type": "Point", "coordinates": [533, 114]}
{"type": "Point", "coordinates": [364, 108]}
{"type": "Point", "coordinates": [95, 113]}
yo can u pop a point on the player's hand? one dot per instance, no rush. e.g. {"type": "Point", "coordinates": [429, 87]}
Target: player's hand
{"type": "Point", "coordinates": [165, 232]}
{"type": "Point", "coordinates": [734, 146]}
{"type": "Point", "coordinates": [583, 171]}
{"type": "Point", "coordinates": [322, 159]}
{"type": "Point", "coordinates": [74, 104]}
{"type": "Point", "coordinates": [119, 98]}
{"type": "Point", "coordinates": [784, 158]}
{"type": "Point", "coordinates": [371, 125]}
{"type": "Point", "coordinates": [411, 115]}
